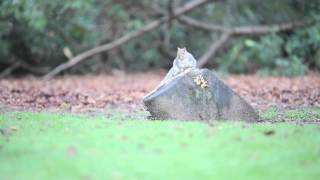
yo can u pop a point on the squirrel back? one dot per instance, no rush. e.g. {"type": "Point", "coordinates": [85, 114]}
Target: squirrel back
{"type": "Point", "coordinates": [184, 59]}
{"type": "Point", "coordinates": [182, 62]}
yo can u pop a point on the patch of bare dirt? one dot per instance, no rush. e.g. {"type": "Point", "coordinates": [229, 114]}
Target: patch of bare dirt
{"type": "Point", "coordinates": [85, 92]}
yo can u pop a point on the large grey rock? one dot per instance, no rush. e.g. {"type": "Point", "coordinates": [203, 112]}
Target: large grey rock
{"type": "Point", "coordinates": [182, 98]}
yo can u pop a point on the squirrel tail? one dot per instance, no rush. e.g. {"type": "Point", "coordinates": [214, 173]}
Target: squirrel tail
{"type": "Point", "coordinates": [168, 76]}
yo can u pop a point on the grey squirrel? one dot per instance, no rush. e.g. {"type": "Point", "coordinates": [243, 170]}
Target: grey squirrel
{"type": "Point", "coordinates": [181, 63]}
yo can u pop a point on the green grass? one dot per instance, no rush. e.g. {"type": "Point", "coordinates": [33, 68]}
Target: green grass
{"type": "Point", "coordinates": [296, 115]}
{"type": "Point", "coordinates": [65, 146]}
{"type": "Point", "coordinates": [270, 113]}
{"type": "Point", "coordinates": [306, 113]}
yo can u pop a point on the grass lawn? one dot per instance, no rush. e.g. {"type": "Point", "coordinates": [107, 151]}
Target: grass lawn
{"type": "Point", "coordinates": [43, 145]}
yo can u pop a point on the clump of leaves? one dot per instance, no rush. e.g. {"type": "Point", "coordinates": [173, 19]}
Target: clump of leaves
{"type": "Point", "coordinates": [275, 54]}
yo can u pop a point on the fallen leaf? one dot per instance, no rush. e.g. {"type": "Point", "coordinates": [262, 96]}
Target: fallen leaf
{"type": "Point", "coordinates": [269, 132]}
{"type": "Point", "coordinates": [13, 128]}
{"type": "Point", "coordinates": [79, 93]}
{"type": "Point", "coordinates": [71, 150]}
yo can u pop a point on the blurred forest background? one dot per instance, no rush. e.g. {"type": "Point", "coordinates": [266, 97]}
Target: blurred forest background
{"type": "Point", "coordinates": [270, 37]}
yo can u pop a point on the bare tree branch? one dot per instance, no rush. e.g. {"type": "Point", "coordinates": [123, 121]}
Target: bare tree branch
{"type": "Point", "coordinates": [213, 49]}
{"type": "Point", "coordinates": [9, 69]}
{"type": "Point", "coordinates": [124, 39]}
{"type": "Point", "coordinates": [18, 63]}
{"type": "Point", "coordinates": [34, 69]}
{"type": "Point", "coordinates": [227, 32]}
{"type": "Point", "coordinates": [244, 30]}
{"type": "Point", "coordinates": [263, 29]}
{"type": "Point", "coordinates": [201, 25]}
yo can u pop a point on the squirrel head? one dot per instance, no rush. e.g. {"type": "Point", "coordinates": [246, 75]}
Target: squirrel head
{"type": "Point", "coordinates": [181, 53]}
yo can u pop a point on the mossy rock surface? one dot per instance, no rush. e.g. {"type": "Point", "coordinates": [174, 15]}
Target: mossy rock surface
{"type": "Point", "coordinates": [184, 98]}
